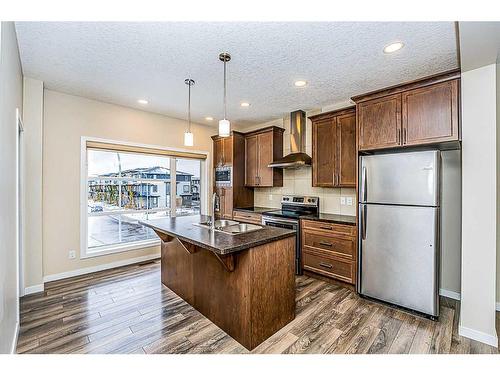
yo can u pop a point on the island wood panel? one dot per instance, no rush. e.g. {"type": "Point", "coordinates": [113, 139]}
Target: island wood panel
{"type": "Point", "coordinates": [251, 302]}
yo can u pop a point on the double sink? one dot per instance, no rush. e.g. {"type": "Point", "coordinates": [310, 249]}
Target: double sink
{"type": "Point", "coordinates": [230, 226]}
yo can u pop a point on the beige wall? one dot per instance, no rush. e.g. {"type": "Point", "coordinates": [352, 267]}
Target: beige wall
{"type": "Point", "coordinates": [66, 119]}
{"type": "Point", "coordinates": [32, 181]}
{"type": "Point", "coordinates": [299, 181]}
{"type": "Point", "coordinates": [11, 97]}
{"type": "Point", "coordinates": [498, 186]}
{"type": "Point", "coordinates": [479, 206]}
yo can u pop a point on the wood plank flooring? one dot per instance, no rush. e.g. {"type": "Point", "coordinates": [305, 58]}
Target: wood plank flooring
{"type": "Point", "coordinates": [127, 310]}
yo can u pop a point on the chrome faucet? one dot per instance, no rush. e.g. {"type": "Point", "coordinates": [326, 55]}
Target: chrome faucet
{"type": "Point", "coordinates": [215, 207]}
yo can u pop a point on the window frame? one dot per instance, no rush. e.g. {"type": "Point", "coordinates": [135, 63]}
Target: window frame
{"type": "Point", "coordinates": [136, 245]}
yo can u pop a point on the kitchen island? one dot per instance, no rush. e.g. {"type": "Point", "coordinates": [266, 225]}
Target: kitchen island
{"type": "Point", "coordinates": [244, 283]}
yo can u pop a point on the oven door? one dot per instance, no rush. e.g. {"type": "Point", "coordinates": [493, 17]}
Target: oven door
{"type": "Point", "coordinates": [288, 224]}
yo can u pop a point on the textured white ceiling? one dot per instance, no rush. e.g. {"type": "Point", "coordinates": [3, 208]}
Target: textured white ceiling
{"type": "Point", "coordinates": [122, 62]}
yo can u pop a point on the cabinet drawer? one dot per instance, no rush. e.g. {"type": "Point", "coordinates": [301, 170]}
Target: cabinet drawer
{"type": "Point", "coordinates": [317, 261]}
{"type": "Point", "coordinates": [247, 217]}
{"type": "Point", "coordinates": [345, 230]}
{"type": "Point", "coordinates": [336, 245]}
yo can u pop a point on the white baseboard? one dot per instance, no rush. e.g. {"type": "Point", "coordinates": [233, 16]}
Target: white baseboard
{"type": "Point", "coordinates": [478, 336]}
{"type": "Point", "coordinates": [101, 267]}
{"type": "Point", "coordinates": [33, 289]}
{"type": "Point", "coordinates": [449, 294]}
{"type": "Point", "coordinates": [13, 346]}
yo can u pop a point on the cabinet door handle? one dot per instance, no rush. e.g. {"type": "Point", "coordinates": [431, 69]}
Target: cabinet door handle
{"type": "Point", "coordinates": [404, 136]}
{"type": "Point", "coordinates": [327, 228]}
{"type": "Point", "coordinates": [326, 243]}
{"type": "Point", "coordinates": [326, 265]}
{"type": "Point", "coordinates": [398, 137]}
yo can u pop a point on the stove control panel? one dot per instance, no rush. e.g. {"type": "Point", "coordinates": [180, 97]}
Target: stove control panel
{"type": "Point", "coordinates": [300, 200]}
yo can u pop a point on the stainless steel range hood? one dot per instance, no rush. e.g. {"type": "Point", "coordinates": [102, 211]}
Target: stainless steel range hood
{"type": "Point", "coordinates": [297, 157]}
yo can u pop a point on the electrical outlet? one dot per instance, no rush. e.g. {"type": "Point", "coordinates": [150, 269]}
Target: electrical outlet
{"type": "Point", "coordinates": [72, 254]}
{"type": "Point", "coordinates": [270, 197]}
{"type": "Point", "coordinates": [342, 201]}
{"type": "Point", "coordinates": [349, 201]}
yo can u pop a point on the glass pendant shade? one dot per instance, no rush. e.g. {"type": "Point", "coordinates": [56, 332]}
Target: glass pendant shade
{"type": "Point", "coordinates": [224, 128]}
{"type": "Point", "coordinates": [188, 139]}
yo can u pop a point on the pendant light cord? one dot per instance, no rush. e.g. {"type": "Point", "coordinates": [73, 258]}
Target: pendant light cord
{"type": "Point", "coordinates": [189, 108]}
{"type": "Point", "coordinates": [225, 109]}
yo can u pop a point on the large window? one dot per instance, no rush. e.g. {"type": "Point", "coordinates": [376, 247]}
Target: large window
{"type": "Point", "coordinates": [124, 187]}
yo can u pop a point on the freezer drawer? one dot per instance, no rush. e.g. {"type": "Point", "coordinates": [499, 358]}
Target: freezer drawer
{"type": "Point", "coordinates": [410, 178]}
{"type": "Point", "coordinates": [398, 251]}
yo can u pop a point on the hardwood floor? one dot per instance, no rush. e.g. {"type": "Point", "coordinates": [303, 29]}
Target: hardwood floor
{"type": "Point", "coordinates": [127, 310]}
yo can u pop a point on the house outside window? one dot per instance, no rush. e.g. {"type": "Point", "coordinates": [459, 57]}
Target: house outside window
{"type": "Point", "coordinates": [123, 188]}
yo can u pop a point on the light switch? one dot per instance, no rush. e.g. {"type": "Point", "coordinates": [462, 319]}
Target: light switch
{"type": "Point", "coordinates": [349, 201]}
{"type": "Point", "coordinates": [342, 201]}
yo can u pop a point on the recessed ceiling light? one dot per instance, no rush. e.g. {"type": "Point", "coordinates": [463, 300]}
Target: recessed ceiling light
{"type": "Point", "coordinates": [245, 104]}
{"type": "Point", "coordinates": [142, 101]}
{"type": "Point", "coordinates": [300, 83]}
{"type": "Point", "coordinates": [208, 118]}
{"type": "Point", "coordinates": [393, 47]}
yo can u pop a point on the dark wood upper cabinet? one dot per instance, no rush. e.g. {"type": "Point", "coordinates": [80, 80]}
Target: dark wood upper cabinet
{"type": "Point", "coordinates": [346, 150]}
{"type": "Point", "coordinates": [227, 147]}
{"type": "Point", "coordinates": [223, 151]}
{"type": "Point", "coordinates": [323, 152]}
{"type": "Point", "coordinates": [430, 114]}
{"type": "Point", "coordinates": [334, 149]}
{"type": "Point", "coordinates": [421, 112]}
{"type": "Point", "coordinates": [218, 151]}
{"type": "Point", "coordinates": [380, 123]}
{"type": "Point", "coordinates": [262, 147]}
{"type": "Point", "coordinates": [251, 160]}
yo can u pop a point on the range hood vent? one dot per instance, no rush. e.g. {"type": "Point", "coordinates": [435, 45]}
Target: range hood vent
{"type": "Point", "coordinates": [297, 157]}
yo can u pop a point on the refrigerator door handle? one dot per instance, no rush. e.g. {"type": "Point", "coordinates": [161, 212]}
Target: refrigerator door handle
{"type": "Point", "coordinates": [363, 185]}
{"type": "Point", "coordinates": [363, 222]}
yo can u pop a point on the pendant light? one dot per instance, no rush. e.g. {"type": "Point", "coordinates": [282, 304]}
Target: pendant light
{"type": "Point", "coordinates": [224, 124]}
{"type": "Point", "coordinates": [188, 136]}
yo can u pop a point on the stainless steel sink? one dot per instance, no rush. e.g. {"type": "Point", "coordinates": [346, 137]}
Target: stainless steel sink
{"type": "Point", "coordinates": [241, 228]}
{"type": "Point", "coordinates": [230, 226]}
{"type": "Point", "coordinates": [218, 223]}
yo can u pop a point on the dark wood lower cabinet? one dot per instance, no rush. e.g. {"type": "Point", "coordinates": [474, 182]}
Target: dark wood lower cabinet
{"type": "Point", "coordinates": [329, 250]}
{"type": "Point", "coordinates": [249, 294]}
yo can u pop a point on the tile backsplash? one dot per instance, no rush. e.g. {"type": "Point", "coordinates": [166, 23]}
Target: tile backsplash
{"type": "Point", "coordinates": [299, 182]}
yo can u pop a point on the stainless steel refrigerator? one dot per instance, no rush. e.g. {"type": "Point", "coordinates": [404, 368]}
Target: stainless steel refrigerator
{"type": "Point", "coordinates": [399, 229]}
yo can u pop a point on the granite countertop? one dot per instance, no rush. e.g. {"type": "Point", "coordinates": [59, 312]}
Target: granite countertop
{"type": "Point", "coordinates": [183, 228]}
{"type": "Point", "coordinates": [332, 218]}
{"type": "Point", "coordinates": [257, 210]}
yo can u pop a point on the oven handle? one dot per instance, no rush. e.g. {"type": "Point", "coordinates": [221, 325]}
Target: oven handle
{"type": "Point", "coordinates": [279, 221]}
